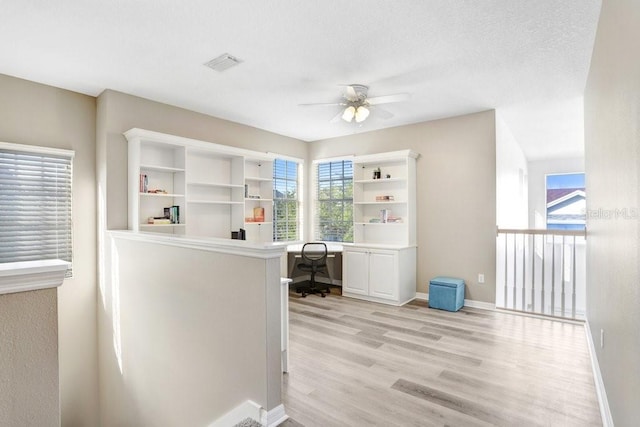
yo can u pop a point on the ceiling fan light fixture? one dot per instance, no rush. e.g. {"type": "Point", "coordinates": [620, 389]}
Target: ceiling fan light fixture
{"type": "Point", "coordinates": [349, 113]}
{"type": "Point", "coordinates": [361, 114]}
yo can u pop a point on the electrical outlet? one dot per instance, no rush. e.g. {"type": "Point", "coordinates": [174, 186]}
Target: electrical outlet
{"type": "Point", "coordinates": [601, 338]}
{"type": "Point", "coordinates": [480, 278]}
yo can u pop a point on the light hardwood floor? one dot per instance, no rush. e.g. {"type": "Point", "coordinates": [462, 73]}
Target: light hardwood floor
{"type": "Point", "coordinates": [355, 363]}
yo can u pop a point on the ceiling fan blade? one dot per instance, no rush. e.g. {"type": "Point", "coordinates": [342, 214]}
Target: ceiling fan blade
{"type": "Point", "coordinates": [337, 117]}
{"type": "Point", "coordinates": [321, 104]}
{"type": "Point", "coordinates": [387, 99]}
{"type": "Point", "coordinates": [382, 113]}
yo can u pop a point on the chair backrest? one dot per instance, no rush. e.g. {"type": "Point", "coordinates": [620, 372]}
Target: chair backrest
{"type": "Point", "coordinates": [314, 253]}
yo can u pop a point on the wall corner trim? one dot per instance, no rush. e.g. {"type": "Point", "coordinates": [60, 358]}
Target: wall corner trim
{"type": "Point", "coordinates": [603, 402]}
{"type": "Point", "coordinates": [32, 275]}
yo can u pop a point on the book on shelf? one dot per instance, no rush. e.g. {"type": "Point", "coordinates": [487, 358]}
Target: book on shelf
{"type": "Point", "coordinates": [158, 220]}
{"type": "Point", "coordinates": [144, 183]}
{"type": "Point", "coordinates": [172, 213]}
{"type": "Point", "coordinates": [384, 198]}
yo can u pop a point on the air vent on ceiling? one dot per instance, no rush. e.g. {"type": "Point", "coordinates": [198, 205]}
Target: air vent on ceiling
{"type": "Point", "coordinates": [223, 62]}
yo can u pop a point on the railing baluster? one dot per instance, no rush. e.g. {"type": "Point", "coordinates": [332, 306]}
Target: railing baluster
{"type": "Point", "coordinates": [553, 275]}
{"type": "Point", "coordinates": [524, 270]}
{"type": "Point", "coordinates": [573, 280]}
{"type": "Point", "coordinates": [533, 273]}
{"type": "Point", "coordinates": [515, 252]}
{"type": "Point", "coordinates": [506, 263]}
{"type": "Point", "coordinates": [562, 278]}
{"type": "Point", "coordinates": [543, 278]}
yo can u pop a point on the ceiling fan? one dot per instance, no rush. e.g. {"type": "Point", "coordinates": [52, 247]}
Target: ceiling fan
{"type": "Point", "coordinates": [356, 104]}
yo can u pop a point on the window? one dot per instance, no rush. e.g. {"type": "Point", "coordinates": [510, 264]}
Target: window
{"type": "Point", "coordinates": [35, 204]}
{"type": "Point", "coordinates": [286, 196]}
{"type": "Point", "coordinates": [566, 204]}
{"type": "Point", "coordinates": [334, 201]}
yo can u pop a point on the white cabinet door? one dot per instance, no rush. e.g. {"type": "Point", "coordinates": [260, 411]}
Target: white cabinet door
{"type": "Point", "coordinates": [356, 271]}
{"type": "Point", "coordinates": [383, 274]}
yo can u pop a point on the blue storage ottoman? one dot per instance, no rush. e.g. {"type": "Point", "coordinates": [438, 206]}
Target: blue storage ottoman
{"type": "Point", "coordinates": [446, 293]}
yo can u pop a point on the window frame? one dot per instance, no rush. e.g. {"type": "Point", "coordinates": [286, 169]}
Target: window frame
{"type": "Point", "coordinates": [315, 229]}
{"type": "Point", "coordinates": [55, 153]}
{"type": "Point", "coordinates": [299, 221]}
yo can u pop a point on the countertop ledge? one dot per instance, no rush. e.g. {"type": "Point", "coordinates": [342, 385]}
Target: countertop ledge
{"type": "Point", "coordinates": [32, 275]}
{"type": "Point", "coordinates": [211, 244]}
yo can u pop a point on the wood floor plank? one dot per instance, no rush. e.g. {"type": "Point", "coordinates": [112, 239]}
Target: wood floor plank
{"type": "Point", "coordinates": [357, 363]}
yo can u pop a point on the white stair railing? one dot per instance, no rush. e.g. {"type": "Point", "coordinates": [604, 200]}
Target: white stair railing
{"type": "Point", "coordinates": [542, 272]}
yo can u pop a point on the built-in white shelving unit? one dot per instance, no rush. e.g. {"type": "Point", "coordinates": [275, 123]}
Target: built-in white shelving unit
{"type": "Point", "coordinates": [381, 264]}
{"type": "Point", "coordinates": [218, 189]}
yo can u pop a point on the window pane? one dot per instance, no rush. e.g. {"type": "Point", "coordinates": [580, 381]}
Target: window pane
{"type": "Point", "coordinates": [35, 207]}
{"type": "Point", "coordinates": [285, 205]}
{"type": "Point", "coordinates": [334, 195]}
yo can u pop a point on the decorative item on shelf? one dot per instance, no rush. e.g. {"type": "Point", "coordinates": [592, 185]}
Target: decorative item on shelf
{"type": "Point", "coordinates": [384, 215]}
{"type": "Point", "coordinates": [384, 198]}
{"type": "Point", "coordinates": [253, 197]}
{"type": "Point", "coordinates": [239, 235]}
{"type": "Point", "coordinates": [376, 173]}
{"type": "Point", "coordinates": [374, 221]}
{"type": "Point", "coordinates": [157, 191]}
{"type": "Point", "coordinates": [394, 219]}
{"type": "Point", "coordinates": [158, 220]}
{"type": "Point", "coordinates": [388, 176]}
{"type": "Point", "coordinates": [144, 183]}
{"type": "Point", "coordinates": [258, 214]}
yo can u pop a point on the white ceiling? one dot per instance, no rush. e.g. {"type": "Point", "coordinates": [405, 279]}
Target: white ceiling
{"type": "Point", "coordinates": [452, 56]}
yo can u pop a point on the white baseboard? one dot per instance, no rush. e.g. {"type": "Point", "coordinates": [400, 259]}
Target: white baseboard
{"type": "Point", "coordinates": [247, 409]}
{"type": "Point", "coordinates": [275, 417]}
{"type": "Point", "coordinates": [605, 411]}
{"type": "Point", "coordinates": [467, 302]}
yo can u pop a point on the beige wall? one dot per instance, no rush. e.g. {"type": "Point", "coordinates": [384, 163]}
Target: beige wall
{"type": "Point", "coordinates": [29, 390]}
{"type": "Point", "coordinates": [456, 182]}
{"type": "Point", "coordinates": [117, 113]}
{"type": "Point", "coordinates": [36, 114]}
{"type": "Point", "coordinates": [612, 160]}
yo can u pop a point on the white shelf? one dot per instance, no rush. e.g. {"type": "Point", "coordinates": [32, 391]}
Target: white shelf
{"type": "Point", "coordinates": [160, 168]}
{"type": "Point", "coordinates": [161, 195]}
{"type": "Point", "coordinates": [391, 224]}
{"type": "Point", "coordinates": [256, 222]}
{"type": "Point", "coordinates": [207, 181]}
{"type": "Point", "coordinates": [161, 225]}
{"type": "Point", "coordinates": [390, 202]}
{"type": "Point", "coordinates": [213, 202]}
{"type": "Point", "coordinates": [379, 181]}
{"type": "Point", "coordinates": [215, 184]}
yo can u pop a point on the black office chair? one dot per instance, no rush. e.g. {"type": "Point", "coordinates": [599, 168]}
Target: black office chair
{"type": "Point", "coordinates": [314, 260]}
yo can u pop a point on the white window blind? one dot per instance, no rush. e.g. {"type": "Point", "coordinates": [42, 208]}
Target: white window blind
{"type": "Point", "coordinates": [286, 196]}
{"type": "Point", "coordinates": [35, 206]}
{"type": "Point", "coordinates": [334, 201]}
